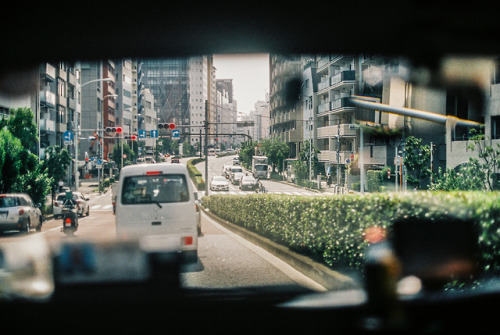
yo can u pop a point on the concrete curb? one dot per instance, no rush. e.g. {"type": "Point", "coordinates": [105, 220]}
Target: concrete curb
{"type": "Point", "coordinates": [331, 280]}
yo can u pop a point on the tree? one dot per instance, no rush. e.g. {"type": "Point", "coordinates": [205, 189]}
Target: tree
{"type": "Point", "coordinates": [417, 161]}
{"type": "Point", "coordinates": [477, 174]}
{"type": "Point", "coordinates": [304, 157]}
{"type": "Point", "coordinates": [20, 170]}
{"type": "Point", "coordinates": [116, 155]}
{"type": "Point", "coordinates": [276, 151]}
{"type": "Point", "coordinates": [246, 153]}
{"type": "Point", "coordinates": [56, 162]}
{"type": "Point", "coordinates": [488, 161]}
{"type": "Point", "coordinates": [21, 124]}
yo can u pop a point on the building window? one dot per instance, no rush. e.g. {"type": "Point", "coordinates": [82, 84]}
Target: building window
{"type": "Point", "coordinates": [495, 127]}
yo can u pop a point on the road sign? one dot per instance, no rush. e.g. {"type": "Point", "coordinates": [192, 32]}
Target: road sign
{"type": "Point", "coordinates": [154, 133]}
{"type": "Point", "coordinates": [142, 134]}
{"type": "Point", "coordinates": [68, 135]}
{"type": "Point", "coordinates": [176, 134]}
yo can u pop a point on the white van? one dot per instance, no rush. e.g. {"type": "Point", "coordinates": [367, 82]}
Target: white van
{"type": "Point", "coordinates": [156, 203]}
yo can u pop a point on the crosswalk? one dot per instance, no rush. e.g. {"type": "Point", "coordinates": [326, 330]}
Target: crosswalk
{"type": "Point", "coordinates": [101, 207]}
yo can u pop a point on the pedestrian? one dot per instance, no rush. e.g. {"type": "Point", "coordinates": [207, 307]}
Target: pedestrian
{"type": "Point", "coordinates": [329, 180]}
{"type": "Point", "coordinates": [61, 185]}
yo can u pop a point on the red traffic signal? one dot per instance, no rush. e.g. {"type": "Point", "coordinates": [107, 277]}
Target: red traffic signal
{"type": "Point", "coordinates": [166, 125]}
{"type": "Point", "coordinates": [117, 130]}
{"type": "Point", "coordinates": [131, 137]}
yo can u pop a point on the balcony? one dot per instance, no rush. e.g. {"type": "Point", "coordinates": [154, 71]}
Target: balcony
{"type": "Point", "coordinates": [331, 156]}
{"type": "Point", "coordinates": [339, 105]}
{"type": "Point", "coordinates": [332, 131]}
{"type": "Point", "coordinates": [343, 79]}
{"type": "Point", "coordinates": [48, 72]}
{"type": "Point", "coordinates": [47, 125]}
{"type": "Point", "coordinates": [48, 98]}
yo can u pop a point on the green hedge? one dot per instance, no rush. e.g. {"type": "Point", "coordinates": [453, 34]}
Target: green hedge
{"type": "Point", "coordinates": [330, 228]}
{"type": "Point", "coordinates": [196, 175]}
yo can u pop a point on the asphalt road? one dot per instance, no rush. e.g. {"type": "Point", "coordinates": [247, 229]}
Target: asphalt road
{"type": "Point", "coordinates": [225, 260]}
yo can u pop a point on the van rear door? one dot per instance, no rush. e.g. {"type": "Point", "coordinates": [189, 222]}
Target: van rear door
{"type": "Point", "coordinates": [155, 204]}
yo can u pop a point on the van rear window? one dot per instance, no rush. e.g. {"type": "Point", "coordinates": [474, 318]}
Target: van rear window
{"type": "Point", "coordinates": [150, 189]}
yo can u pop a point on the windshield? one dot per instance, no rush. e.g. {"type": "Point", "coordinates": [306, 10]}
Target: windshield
{"type": "Point", "coordinates": [354, 143]}
{"type": "Point", "coordinates": [153, 189]}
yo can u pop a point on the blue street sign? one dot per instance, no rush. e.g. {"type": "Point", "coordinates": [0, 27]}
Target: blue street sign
{"type": "Point", "coordinates": [68, 135]}
{"type": "Point", "coordinates": [142, 134]}
{"type": "Point", "coordinates": [99, 161]}
{"type": "Point", "coordinates": [176, 134]}
{"type": "Point", "coordinates": [154, 133]}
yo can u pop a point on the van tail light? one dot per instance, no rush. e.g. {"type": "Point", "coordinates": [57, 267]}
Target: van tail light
{"type": "Point", "coordinates": [56, 204]}
{"type": "Point", "coordinates": [187, 240]}
{"type": "Point", "coordinates": [21, 211]}
{"type": "Point", "coordinates": [196, 207]}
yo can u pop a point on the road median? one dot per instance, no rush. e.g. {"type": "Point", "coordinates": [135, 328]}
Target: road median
{"type": "Point", "coordinates": [328, 278]}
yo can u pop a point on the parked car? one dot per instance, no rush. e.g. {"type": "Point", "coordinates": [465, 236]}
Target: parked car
{"type": "Point", "coordinates": [18, 212]}
{"type": "Point", "coordinates": [175, 160]}
{"type": "Point", "coordinates": [236, 161]}
{"type": "Point", "coordinates": [236, 177]}
{"type": "Point", "coordinates": [219, 183]}
{"type": "Point", "coordinates": [84, 207]}
{"type": "Point", "coordinates": [248, 183]}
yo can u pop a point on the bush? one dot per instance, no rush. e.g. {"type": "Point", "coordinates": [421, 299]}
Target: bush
{"type": "Point", "coordinates": [331, 229]}
{"type": "Point", "coordinates": [196, 175]}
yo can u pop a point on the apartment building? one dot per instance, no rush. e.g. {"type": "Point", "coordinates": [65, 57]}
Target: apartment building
{"type": "Point", "coordinates": [286, 113]}
{"type": "Point", "coordinates": [59, 105]}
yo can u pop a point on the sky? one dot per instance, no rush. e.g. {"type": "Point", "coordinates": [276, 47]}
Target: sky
{"type": "Point", "coordinates": [250, 74]}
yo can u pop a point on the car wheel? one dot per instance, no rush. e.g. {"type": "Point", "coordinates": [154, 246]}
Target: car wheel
{"type": "Point", "coordinates": [88, 211]}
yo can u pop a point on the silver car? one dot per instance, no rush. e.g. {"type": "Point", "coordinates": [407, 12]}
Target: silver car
{"type": "Point", "coordinates": [84, 207]}
{"type": "Point", "coordinates": [18, 212]}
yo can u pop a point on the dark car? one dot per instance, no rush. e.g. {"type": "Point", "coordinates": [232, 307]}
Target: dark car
{"type": "Point", "coordinates": [18, 212]}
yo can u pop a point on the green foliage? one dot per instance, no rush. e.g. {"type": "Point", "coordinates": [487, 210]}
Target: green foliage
{"type": "Point", "coordinates": [21, 123]}
{"type": "Point", "coordinates": [10, 151]}
{"type": "Point", "coordinates": [277, 151]}
{"type": "Point", "coordinates": [116, 155]}
{"type": "Point", "coordinates": [331, 229]}
{"type": "Point", "coordinates": [56, 162]}
{"type": "Point", "coordinates": [374, 179]}
{"type": "Point", "coordinates": [195, 174]}
{"type": "Point", "coordinates": [246, 153]}
{"type": "Point", "coordinates": [20, 170]}
{"type": "Point", "coordinates": [417, 161]}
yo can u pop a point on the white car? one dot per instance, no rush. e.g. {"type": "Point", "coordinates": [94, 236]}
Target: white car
{"type": "Point", "coordinates": [219, 183]}
{"type": "Point", "coordinates": [155, 203]}
{"type": "Point", "coordinates": [84, 207]}
{"type": "Point", "coordinates": [17, 212]}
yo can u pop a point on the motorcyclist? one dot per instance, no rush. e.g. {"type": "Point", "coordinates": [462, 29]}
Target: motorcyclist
{"type": "Point", "coordinates": [71, 207]}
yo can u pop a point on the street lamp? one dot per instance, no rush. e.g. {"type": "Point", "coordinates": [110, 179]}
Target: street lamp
{"type": "Point", "coordinates": [79, 127]}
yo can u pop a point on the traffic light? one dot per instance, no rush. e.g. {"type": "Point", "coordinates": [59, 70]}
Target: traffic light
{"type": "Point", "coordinates": [117, 130]}
{"type": "Point", "coordinates": [166, 125]}
{"type": "Point", "coordinates": [131, 137]}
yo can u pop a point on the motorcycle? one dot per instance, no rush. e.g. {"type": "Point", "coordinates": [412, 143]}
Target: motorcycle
{"type": "Point", "coordinates": [70, 219]}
